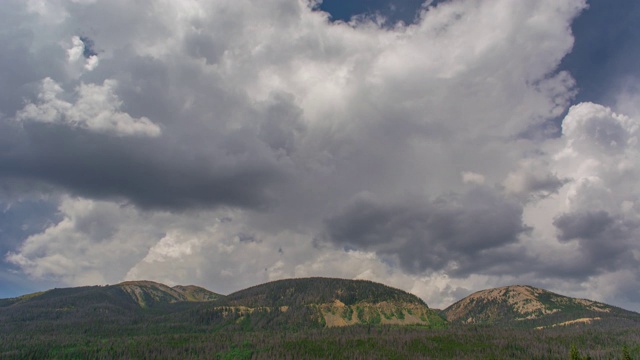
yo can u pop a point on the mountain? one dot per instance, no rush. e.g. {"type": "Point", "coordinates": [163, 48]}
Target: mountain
{"type": "Point", "coordinates": [142, 293]}
{"type": "Point", "coordinates": [196, 293]}
{"type": "Point", "coordinates": [527, 306]}
{"type": "Point", "coordinates": [149, 293]}
{"type": "Point", "coordinates": [337, 302]}
{"type": "Point", "coordinates": [307, 318]}
{"type": "Point", "coordinates": [120, 301]}
{"type": "Point", "coordinates": [318, 290]}
{"type": "Point", "coordinates": [304, 303]}
{"type": "Point", "coordinates": [311, 302]}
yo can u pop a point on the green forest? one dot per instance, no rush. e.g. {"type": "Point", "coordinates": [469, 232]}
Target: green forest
{"type": "Point", "coordinates": [149, 341]}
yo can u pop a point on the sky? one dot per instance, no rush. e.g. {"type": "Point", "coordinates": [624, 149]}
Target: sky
{"type": "Point", "coordinates": [440, 147]}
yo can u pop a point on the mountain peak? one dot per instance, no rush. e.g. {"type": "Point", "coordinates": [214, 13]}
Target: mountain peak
{"type": "Point", "coordinates": [196, 293]}
{"type": "Point", "coordinates": [524, 303]}
{"type": "Point", "coordinates": [337, 302]}
{"type": "Point", "coordinates": [140, 283]}
{"type": "Point", "coordinates": [147, 293]}
{"type": "Point", "coordinates": [315, 290]}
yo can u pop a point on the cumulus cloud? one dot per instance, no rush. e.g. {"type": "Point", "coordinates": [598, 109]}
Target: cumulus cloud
{"type": "Point", "coordinates": [207, 248]}
{"type": "Point", "coordinates": [82, 247]}
{"type": "Point", "coordinates": [592, 128]}
{"type": "Point", "coordinates": [600, 157]}
{"type": "Point", "coordinates": [225, 143]}
{"type": "Point", "coordinates": [96, 109]}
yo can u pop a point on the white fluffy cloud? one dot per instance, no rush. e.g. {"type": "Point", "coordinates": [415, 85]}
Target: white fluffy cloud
{"type": "Point", "coordinates": [602, 157]}
{"type": "Point", "coordinates": [96, 109]}
{"type": "Point", "coordinates": [91, 244]}
{"type": "Point", "coordinates": [213, 249]}
{"type": "Point", "coordinates": [259, 142]}
{"type": "Point", "coordinates": [588, 228]}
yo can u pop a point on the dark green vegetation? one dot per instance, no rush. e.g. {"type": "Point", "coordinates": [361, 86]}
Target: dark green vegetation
{"type": "Point", "coordinates": [319, 291]}
{"type": "Point", "coordinates": [293, 319]}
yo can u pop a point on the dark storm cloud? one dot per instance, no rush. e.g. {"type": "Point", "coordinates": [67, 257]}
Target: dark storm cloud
{"type": "Point", "coordinates": [604, 239]}
{"type": "Point", "coordinates": [222, 150]}
{"type": "Point", "coordinates": [467, 233]}
{"type": "Point", "coordinates": [587, 225]}
{"type": "Point", "coordinates": [148, 172]}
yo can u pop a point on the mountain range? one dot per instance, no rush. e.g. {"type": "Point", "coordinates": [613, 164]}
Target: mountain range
{"type": "Point", "coordinates": [324, 302]}
{"type": "Point", "coordinates": [305, 318]}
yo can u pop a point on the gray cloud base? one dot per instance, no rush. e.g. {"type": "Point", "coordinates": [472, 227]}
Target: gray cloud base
{"type": "Point", "coordinates": [461, 234]}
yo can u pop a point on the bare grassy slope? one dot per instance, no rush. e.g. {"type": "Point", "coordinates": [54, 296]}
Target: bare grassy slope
{"type": "Point", "coordinates": [527, 306]}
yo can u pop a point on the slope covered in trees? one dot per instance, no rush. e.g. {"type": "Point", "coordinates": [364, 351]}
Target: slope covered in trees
{"type": "Point", "coordinates": [307, 318]}
{"type": "Point", "coordinates": [318, 302]}
{"type": "Point", "coordinates": [306, 291]}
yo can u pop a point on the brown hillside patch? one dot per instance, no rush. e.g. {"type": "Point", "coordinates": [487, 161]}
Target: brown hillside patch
{"type": "Point", "coordinates": [383, 313]}
{"type": "Point", "coordinates": [571, 322]}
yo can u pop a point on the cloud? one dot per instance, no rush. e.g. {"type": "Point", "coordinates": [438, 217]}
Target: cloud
{"type": "Point", "coordinates": [20, 219]}
{"type": "Point", "coordinates": [469, 177]}
{"type": "Point", "coordinates": [96, 109]}
{"type": "Point", "coordinates": [586, 229]}
{"type": "Point", "coordinates": [305, 102]}
{"type": "Point", "coordinates": [83, 246]}
{"type": "Point", "coordinates": [226, 143]}
{"type": "Point", "coordinates": [82, 47]}
{"type": "Point", "coordinates": [599, 157]}
{"type": "Point", "coordinates": [604, 240]}
{"type": "Point", "coordinates": [461, 234]}
{"type": "Point", "coordinates": [595, 128]}
{"type": "Point", "coordinates": [532, 180]}
{"type": "Point", "coordinates": [99, 242]}
{"type": "Point", "coordinates": [585, 226]}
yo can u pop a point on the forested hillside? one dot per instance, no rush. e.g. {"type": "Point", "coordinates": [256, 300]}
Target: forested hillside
{"type": "Point", "coordinates": [292, 292]}
{"type": "Point", "coordinates": [313, 318]}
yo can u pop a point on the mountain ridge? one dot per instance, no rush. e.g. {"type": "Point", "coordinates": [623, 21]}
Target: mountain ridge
{"type": "Point", "coordinates": [329, 302]}
{"type": "Point", "coordinates": [147, 293]}
{"type": "Point", "coordinates": [339, 302]}
{"type": "Point", "coordinates": [306, 318]}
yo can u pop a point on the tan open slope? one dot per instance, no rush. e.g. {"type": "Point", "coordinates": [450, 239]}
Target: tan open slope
{"type": "Point", "coordinates": [523, 304]}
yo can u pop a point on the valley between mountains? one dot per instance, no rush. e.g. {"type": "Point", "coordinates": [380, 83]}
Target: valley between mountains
{"type": "Point", "coordinates": [308, 318]}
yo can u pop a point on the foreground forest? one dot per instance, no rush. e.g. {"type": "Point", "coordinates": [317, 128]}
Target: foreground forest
{"type": "Point", "coordinates": [146, 341]}
{"type": "Point", "coordinates": [291, 319]}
